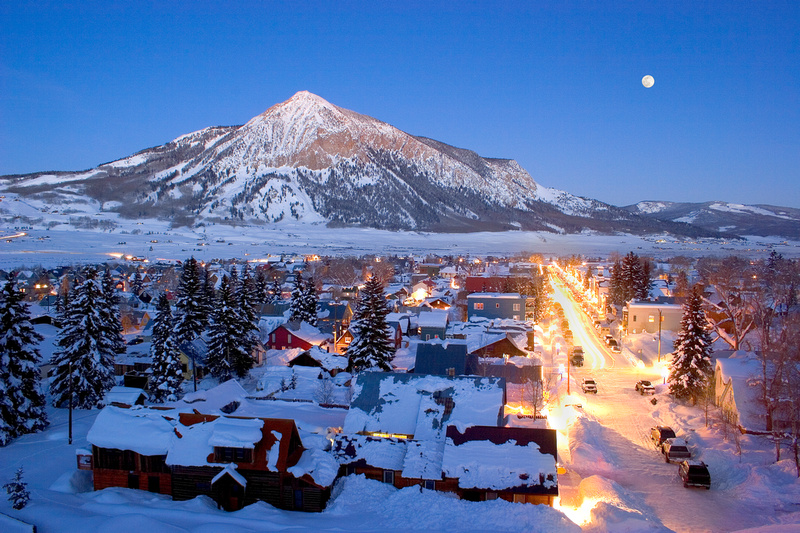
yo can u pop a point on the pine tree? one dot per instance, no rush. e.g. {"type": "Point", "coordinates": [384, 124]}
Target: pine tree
{"type": "Point", "coordinates": [208, 294]}
{"type": "Point", "coordinates": [192, 317]}
{"type": "Point", "coordinates": [371, 348]}
{"type": "Point", "coordinates": [691, 364]}
{"type": "Point", "coordinates": [227, 348]}
{"type": "Point", "coordinates": [297, 309]}
{"type": "Point", "coordinates": [165, 382]}
{"type": "Point", "coordinates": [17, 491]}
{"type": "Point", "coordinates": [86, 348]}
{"type": "Point", "coordinates": [275, 291]}
{"type": "Point", "coordinates": [310, 302]}
{"type": "Point", "coordinates": [137, 283]}
{"type": "Point", "coordinates": [616, 292]}
{"type": "Point", "coordinates": [109, 308]}
{"type": "Point", "coordinates": [245, 308]}
{"type": "Point", "coordinates": [261, 287]}
{"type": "Point", "coordinates": [22, 404]}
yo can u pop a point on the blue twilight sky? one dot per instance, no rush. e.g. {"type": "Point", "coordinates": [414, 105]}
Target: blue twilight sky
{"type": "Point", "coordinates": [554, 85]}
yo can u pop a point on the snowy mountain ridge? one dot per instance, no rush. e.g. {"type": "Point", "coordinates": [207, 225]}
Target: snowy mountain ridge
{"type": "Point", "coordinates": [741, 219]}
{"type": "Point", "coordinates": [307, 160]}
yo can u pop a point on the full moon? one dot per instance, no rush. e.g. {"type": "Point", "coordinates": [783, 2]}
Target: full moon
{"type": "Point", "coordinates": [648, 81]}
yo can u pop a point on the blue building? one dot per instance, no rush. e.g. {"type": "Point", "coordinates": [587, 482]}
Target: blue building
{"type": "Point", "coordinates": [496, 305]}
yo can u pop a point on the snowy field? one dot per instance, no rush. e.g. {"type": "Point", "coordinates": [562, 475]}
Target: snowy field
{"type": "Point", "coordinates": [154, 241]}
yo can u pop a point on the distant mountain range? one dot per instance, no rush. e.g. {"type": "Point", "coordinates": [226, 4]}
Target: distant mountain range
{"type": "Point", "coordinates": [310, 161]}
{"type": "Point", "coordinates": [759, 220]}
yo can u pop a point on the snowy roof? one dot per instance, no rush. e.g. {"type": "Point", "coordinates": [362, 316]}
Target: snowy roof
{"type": "Point", "coordinates": [307, 332]}
{"type": "Point", "coordinates": [230, 470]}
{"type": "Point", "coordinates": [144, 431]}
{"type": "Point", "coordinates": [432, 319]}
{"type": "Point", "coordinates": [319, 465]}
{"type": "Point", "coordinates": [412, 404]}
{"type": "Point", "coordinates": [211, 401]}
{"type": "Point", "coordinates": [328, 361]}
{"type": "Point", "coordinates": [502, 458]}
{"type": "Point", "coordinates": [388, 453]}
{"type": "Point", "coordinates": [494, 295]}
{"type": "Point", "coordinates": [236, 432]}
{"type": "Point", "coordinates": [126, 395]}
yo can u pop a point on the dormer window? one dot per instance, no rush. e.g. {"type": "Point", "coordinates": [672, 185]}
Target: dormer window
{"type": "Point", "coordinates": [233, 455]}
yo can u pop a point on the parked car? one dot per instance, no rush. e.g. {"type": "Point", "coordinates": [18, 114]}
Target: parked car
{"type": "Point", "coordinates": [644, 387]}
{"type": "Point", "coordinates": [607, 337]}
{"type": "Point", "coordinates": [675, 449]}
{"type": "Point", "coordinates": [576, 356]}
{"type": "Point", "coordinates": [613, 345]}
{"type": "Point", "coordinates": [694, 474]}
{"type": "Point", "coordinates": [588, 385]}
{"type": "Point", "coordinates": [661, 433]}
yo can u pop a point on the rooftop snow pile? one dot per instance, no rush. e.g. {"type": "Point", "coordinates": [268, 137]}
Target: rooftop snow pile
{"type": "Point", "coordinates": [144, 431]}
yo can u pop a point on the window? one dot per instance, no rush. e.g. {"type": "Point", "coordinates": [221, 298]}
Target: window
{"type": "Point", "coordinates": [497, 306]}
{"type": "Point", "coordinates": [478, 306]}
{"type": "Point", "coordinates": [289, 339]}
{"type": "Point", "coordinates": [427, 337]}
{"type": "Point", "coordinates": [491, 496]}
{"type": "Point", "coordinates": [516, 307]}
{"type": "Point", "coordinates": [651, 319]}
{"type": "Point", "coordinates": [233, 455]}
{"type": "Point", "coordinates": [519, 498]}
{"type": "Point", "coordinates": [388, 477]}
{"type": "Point", "coordinates": [634, 318]}
{"type": "Point", "coordinates": [273, 337]}
{"type": "Point", "coordinates": [430, 484]}
{"type": "Point", "coordinates": [133, 481]}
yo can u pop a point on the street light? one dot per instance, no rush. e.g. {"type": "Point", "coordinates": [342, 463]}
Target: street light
{"type": "Point", "coordinates": [665, 373]}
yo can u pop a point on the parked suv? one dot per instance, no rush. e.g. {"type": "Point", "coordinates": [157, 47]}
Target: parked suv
{"type": "Point", "coordinates": [661, 433]}
{"type": "Point", "coordinates": [675, 450]}
{"type": "Point", "coordinates": [645, 387]}
{"type": "Point", "coordinates": [589, 385]}
{"type": "Point", "coordinates": [694, 474]}
{"type": "Point", "coordinates": [613, 345]}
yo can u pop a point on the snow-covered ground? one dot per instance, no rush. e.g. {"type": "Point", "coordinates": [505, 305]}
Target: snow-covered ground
{"type": "Point", "coordinates": [155, 241]}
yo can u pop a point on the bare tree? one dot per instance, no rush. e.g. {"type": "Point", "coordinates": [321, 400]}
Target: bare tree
{"type": "Point", "coordinates": [728, 309]}
{"type": "Point", "coordinates": [342, 271]}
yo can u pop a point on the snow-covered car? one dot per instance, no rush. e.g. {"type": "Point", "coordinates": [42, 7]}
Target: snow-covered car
{"type": "Point", "coordinates": [588, 385]}
{"type": "Point", "coordinates": [644, 387]}
{"type": "Point", "coordinates": [607, 338]}
{"type": "Point", "coordinates": [661, 433]}
{"type": "Point", "coordinates": [694, 474]}
{"type": "Point", "coordinates": [675, 449]}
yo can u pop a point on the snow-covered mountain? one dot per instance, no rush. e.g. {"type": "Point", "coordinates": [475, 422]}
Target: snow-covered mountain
{"type": "Point", "coordinates": [739, 219]}
{"type": "Point", "coordinates": [308, 160]}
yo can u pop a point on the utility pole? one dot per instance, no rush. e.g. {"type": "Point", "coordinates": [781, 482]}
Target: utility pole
{"type": "Point", "coordinates": [70, 402]}
{"type": "Point", "coordinates": [659, 335]}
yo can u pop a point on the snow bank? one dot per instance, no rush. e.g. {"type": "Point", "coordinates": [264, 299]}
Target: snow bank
{"type": "Point", "coordinates": [590, 454]}
{"type": "Point", "coordinates": [380, 506]}
{"type": "Point", "coordinates": [617, 509]}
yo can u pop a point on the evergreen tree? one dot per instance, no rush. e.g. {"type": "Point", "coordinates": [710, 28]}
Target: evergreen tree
{"type": "Point", "coordinates": [691, 364]}
{"type": "Point", "coordinates": [137, 283]}
{"type": "Point", "coordinates": [310, 302]}
{"type": "Point", "coordinates": [298, 312]}
{"type": "Point", "coordinates": [22, 404]}
{"type": "Point", "coordinates": [192, 317]}
{"type": "Point", "coordinates": [17, 491]}
{"type": "Point", "coordinates": [276, 291]}
{"type": "Point", "coordinates": [261, 287]}
{"type": "Point", "coordinates": [109, 308]}
{"type": "Point", "coordinates": [616, 292]}
{"type": "Point", "coordinates": [371, 348]}
{"type": "Point", "coordinates": [245, 300]}
{"type": "Point", "coordinates": [84, 359]}
{"type": "Point", "coordinates": [165, 382]}
{"type": "Point", "coordinates": [228, 352]}
{"type": "Point", "coordinates": [208, 293]}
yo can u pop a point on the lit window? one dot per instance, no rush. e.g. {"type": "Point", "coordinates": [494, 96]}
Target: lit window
{"type": "Point", "coordinates": [516, 307]}
{"type": "Point", "coordinates": [478, 306]}
{"type": "Point", "coordinates": [651, 318]}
